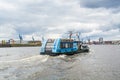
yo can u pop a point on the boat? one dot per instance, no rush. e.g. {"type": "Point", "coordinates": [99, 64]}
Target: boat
{"type": "Point", "coordinates": [83, 48]}
{"type": "Point", "coordinates": [62, 46]}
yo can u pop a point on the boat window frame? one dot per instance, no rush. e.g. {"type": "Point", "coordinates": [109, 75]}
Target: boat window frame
{"type": "Point", "coordinates": [64, 45]}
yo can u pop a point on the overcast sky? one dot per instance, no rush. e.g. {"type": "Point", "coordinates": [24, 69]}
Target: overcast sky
{"type": "Point", "coordinates": [51, 18]}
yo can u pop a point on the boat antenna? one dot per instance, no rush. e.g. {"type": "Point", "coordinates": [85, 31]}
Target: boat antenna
{"type": "Point", "coordinates": [70, 34]}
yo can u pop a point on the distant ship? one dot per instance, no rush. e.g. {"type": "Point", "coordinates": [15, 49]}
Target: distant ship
{"type": "Point", "coordinates": [63, 46]}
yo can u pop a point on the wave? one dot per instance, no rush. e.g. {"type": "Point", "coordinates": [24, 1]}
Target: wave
{"type": "Point", "coordinates": [41, 58]}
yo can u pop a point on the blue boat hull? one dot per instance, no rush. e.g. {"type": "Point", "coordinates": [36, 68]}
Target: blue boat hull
{"type": "Point", "coordinates": [55, 54]}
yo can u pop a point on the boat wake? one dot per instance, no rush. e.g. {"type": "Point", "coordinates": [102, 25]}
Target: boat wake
{"type": "Point", "coordinates": [41, 58]}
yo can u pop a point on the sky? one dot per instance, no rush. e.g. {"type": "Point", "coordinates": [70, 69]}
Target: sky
{"type": "Point", "coordinates": [53, 18]}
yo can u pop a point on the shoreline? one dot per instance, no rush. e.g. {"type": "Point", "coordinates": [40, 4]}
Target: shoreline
{"type": "Point", "coordinates": [18, 45]}
{"type": "Point", "coordinates": [35, 45]}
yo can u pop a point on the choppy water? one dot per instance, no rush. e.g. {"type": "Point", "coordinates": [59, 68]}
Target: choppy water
{"type": "Point", "coordinates": [25, 63]}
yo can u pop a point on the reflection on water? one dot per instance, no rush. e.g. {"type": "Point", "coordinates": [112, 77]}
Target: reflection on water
{"type": "Point", "coordinates": [101, 63]}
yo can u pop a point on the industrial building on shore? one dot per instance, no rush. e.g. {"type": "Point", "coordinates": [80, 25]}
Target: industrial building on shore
{"type": "Point", "coordinates": [18, 43]}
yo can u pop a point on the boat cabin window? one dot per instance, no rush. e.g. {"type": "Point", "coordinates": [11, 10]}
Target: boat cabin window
{"type": "Point", "coordinates": [50, 43]}
{"type": "Point", "coordinates": [84, 46]}
{"type": "Point", "coordinates": [66, 43]}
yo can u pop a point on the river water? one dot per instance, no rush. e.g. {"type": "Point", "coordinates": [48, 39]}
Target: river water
{"type": "Point", "coordinates": [25, 63]}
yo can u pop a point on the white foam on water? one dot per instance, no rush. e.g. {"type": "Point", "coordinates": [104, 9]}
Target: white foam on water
{"type": "Point", "coordinates": [42, 58]}
{"type": "Point", "coordinates": [61, 56]}
{"type": "Point", "coordinates": [91, 51]}
{"type": "Point", "coordinates": [45, 59]}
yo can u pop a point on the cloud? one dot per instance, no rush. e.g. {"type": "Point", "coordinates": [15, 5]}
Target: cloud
{"type": "Point", "coordinates": [100, 3]}
{"type": "Point", "coordinates": [54, 17]}
{"type": "Point", "coordinates": [7, 6]}
{"type": "Point", "coordinates": [7, 31]}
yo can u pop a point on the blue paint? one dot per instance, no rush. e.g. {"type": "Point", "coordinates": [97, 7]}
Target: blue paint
{"type": "Point", "coordinates": [59, 46]}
